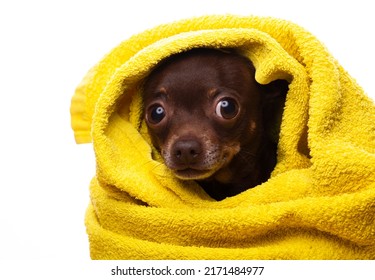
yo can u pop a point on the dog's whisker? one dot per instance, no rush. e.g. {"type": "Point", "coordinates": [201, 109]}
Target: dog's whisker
{"type": "Point", "coordinates": [156, 165]}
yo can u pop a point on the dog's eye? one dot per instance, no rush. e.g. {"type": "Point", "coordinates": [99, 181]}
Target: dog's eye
{"type": "Point", "coordinates": [227, 108]}
{"type": "Point", "coordinates": [156, 114]}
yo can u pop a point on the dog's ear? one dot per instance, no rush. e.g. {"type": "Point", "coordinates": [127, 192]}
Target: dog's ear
{"type": "Point", "coordinates": [275, 91]}
{"type": "Point", "coordinates": [273, 99]}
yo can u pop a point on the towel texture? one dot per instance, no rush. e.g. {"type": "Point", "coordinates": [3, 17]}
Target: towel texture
{"type": "Point", "coordinates": [320, 200]}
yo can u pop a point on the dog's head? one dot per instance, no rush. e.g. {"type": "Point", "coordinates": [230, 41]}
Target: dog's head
{"type": "Point", "coordinates": [202, 108]}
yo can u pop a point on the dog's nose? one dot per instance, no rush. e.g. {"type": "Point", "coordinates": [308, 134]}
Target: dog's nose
{"type": "Point", "coordinates": [187, 151]}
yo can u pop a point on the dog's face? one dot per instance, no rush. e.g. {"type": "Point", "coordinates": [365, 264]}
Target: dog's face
{"type": "Point", "coordinates": [203, 108]}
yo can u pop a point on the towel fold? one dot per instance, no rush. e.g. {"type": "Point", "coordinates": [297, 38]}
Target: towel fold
{"type": "Point", "coordinates": [320, 200]}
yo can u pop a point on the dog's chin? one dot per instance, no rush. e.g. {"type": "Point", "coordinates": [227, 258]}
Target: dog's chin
{"type": "Point", "coordinates": [193, 174]}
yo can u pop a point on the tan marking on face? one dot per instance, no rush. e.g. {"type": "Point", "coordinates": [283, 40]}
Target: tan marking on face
{"type": "Point", "coordinates": [212, 92]}
{"type": "Point", "coordinates": [253, 125]}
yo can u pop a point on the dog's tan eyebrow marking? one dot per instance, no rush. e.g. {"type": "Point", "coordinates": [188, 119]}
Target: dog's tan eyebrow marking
{"type": "Point", "coordinates": [161, 92]}
{"type": "Point", "coordinates": [212, 92]}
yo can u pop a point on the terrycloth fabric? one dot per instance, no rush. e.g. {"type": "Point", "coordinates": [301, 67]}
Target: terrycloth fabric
{"type": "Point", "coordinates": [320, 200]}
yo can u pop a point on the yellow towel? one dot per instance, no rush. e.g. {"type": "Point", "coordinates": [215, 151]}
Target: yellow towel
{"type": "Point", "coordinates": [320, 200]}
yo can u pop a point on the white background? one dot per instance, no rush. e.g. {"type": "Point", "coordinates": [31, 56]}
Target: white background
{"type": "Point", "coordinates": [46, 47]}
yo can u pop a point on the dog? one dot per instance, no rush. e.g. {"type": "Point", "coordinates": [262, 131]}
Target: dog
{"type": "Point", "coordinates": [208, 118]}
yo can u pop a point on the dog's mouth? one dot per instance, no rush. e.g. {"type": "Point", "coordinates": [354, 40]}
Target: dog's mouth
{"type": "Point", "coordinates": [193, 174]}
{"type": "Point", "coordinates": [202, 170]}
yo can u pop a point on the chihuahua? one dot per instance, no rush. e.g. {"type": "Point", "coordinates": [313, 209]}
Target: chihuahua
{"type": "Point", "coordinates": [209, 119]}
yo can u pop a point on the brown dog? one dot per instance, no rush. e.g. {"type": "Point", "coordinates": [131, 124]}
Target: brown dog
{"type": "Point", "coordinates": [208, 117]}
